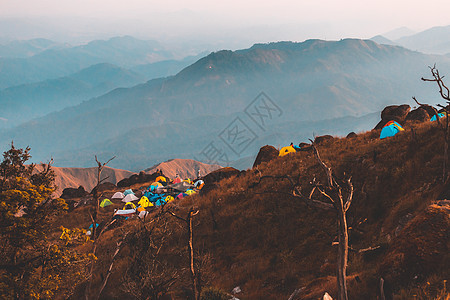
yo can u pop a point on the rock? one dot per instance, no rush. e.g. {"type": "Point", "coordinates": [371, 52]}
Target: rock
{"type": "Point", "coordinates": [395, 112]}
{"type": "Point", "coordinates": [265, 154]}
{"type": "Point", "coordinates": [105, 186]}
{"type": "Point", "coordinates": [351, 135]}
{"type": "Point", "coordinates": [322, 138]}
{"type": "Point", "coordinates": [327, 296]}
{"type": "Point", "coordinates": [214, 177]}
{"type": "Point", "coordinates": [220, 174]}
{"type": "Point", "coordinates": [141, 178]}
{"type": "Point", "coordinates": [70, 193]}
{"type": "Point", "coordinates": [420, 114]}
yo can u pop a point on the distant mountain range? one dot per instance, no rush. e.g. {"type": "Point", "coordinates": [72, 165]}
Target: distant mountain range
{"type": "Point", "coordinates": [126, 52]}
{"type": "Point", "coordinates": [312, 87]}
{"type": "Point", "coordinates": [185, 168]}
{"type": "Point", "coordinates": [435, 40]}
{"type": "Point", "coordinates": [24, 102]}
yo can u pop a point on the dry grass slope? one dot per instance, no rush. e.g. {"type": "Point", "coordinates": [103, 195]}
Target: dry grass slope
{"type": "Point", "coordinates": [262, 239]}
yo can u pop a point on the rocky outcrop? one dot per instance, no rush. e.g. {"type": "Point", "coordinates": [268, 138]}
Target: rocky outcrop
{"type": "Point", "coordinates": [351, 135]}
{"type": "Point", "coordinates": [420, 114]}
{"type": "Point", "coordinates": [70, 193]}
{"type": "Point", "coordinates": [265, 154]}
{"type": "Point", "coordinates": [142, 177]}
{"type": "Point", "coordinates": [322, 138]}
{"type": "Point", "coordinates": [214, 177]}
{"type": "Point", "coordinates": [393, 112]}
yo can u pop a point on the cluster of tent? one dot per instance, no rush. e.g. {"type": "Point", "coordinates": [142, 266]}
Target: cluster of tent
{"type": "Point", "coordinates": [392, 127]}
{"type": "Point", "coordinates": [160, 192]}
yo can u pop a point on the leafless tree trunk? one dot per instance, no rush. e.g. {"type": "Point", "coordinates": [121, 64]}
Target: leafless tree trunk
{"type": "Point", "coordinates": [339, 201]}
{"type": "Point", "coordinates": [444, 91]}
{"type": "Point", "coordinates": [194, 275]}
{"type": "Point", "coordinates": [94, 216]}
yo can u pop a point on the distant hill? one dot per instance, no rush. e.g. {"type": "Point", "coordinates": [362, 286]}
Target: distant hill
{"type": "Point", "coordinates": [28, 48]}
{"type": "Point", "coordinates": [25, 102]}
{"type": "Point", "coordinates": [178, 116]}
{"type": "Point", "coordinates": [123, 51]}
{"type": "Point", "coordinates": [435, 40]}
{"type": "Point", "coordinates": [185, 168]}
{"type": "Point", "coordinates": [397, 33]}
{"type": "Point", "coordinates": [86, 177]}
{"type": "Point", "coordinates": [383, 41]}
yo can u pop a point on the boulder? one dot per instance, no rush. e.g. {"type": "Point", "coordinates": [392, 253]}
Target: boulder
{"type": "Point", "coordinates": [420, 114]}
{"type": "Point", "coordinates": [395, 112]}
{"type": "Point", "coordinates": [322, 138]}
{"type": "Point", "coordinates": [265, 154]}
{"type": "Point", "coordinates": [351, 135]}
{"type": "Point", "coordinates": [214, 177]}
{"type": "Point", "coordinates": [70, 193]}
{"type": "Point", "coordinates": [105, 186]}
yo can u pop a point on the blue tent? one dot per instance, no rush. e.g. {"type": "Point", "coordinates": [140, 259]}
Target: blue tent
{"type": "Point", "coordinates": [389, 131]}
{"type": "Point", "coordinates": [433, 118]}
{"type": "Point", "coordinates": [129, 191]}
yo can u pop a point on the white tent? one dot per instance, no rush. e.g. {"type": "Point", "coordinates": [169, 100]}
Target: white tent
{"type": "Point", "coordinates": [129, 198]}
{"type": "Point", "coordinates": [118, 195]}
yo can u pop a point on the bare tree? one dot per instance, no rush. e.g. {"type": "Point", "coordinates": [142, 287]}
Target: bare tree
{"type": "Point", "coordinates": [445, 94]}
{"type": "Point", "coordinates": [188, 220]}
{"type": "Point", "coordinates": [94, 217]}
{"type": "Point", "coordinates": [338, 199]}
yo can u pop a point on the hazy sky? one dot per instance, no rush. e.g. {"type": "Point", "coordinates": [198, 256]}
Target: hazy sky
{"type": "Point", "coordinates": [252, 20]}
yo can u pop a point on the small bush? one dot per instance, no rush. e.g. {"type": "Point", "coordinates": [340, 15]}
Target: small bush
{"type": "Point", "coordinates": [212, 293]}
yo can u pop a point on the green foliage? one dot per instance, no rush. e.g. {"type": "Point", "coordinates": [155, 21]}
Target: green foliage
{"type": "Point", "coordinates": [32, 267]}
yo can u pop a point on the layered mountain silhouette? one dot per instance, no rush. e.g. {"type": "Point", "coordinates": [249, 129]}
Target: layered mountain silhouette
{"type": "Point", "coordinates": [123, 51]}
{"type": "Point", "coordinates": [435, 40]}
{"type": "Point", "coordinates": [309, 82]}
{"type": "Point", "coordinates": [25, 102]}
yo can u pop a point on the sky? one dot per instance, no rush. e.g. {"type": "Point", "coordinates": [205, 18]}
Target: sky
{"type": "Point", "coordinates": [232, 21]}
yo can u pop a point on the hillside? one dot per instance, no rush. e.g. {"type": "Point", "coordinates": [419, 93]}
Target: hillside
{"type": "Point", "coordinates": [22, 103]}
{"type": "Point", "coordinates": [86, 177]}
{"type": "Point", "coordinates": [310, 81]}
{"type": "Point", "coordinates": [185, 168]}
{"type": "Point", "coordinates": [254, 234]}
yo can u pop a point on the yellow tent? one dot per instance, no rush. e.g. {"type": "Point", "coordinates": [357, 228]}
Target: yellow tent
{"type": "Point", "coordinates": [156, 184]}
{"type": "Point", "coordinates": [169, 199]}
{"type": "Point", "coordinates": [188, 180]}
{"type": "Point", "coordinates": [286, 150]}
{"type": "Point", "coordinates": [160, 178]}
{"type": "Point", "coordinates": [129, 205]}
{"type": "Point", "coordinates": [144, 202]}
{"type": "Point", "coordinates": [105, 202]}
{"type": "Point", "coordinates": [190, 192]}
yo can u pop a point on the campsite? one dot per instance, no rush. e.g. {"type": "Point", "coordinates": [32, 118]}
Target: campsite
{"type": "Point", "coordinates": [246, 235]}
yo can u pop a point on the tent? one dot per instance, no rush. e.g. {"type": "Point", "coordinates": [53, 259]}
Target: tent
{"type": "Point", "coordinates": [181, 196]}
{"type": "Point", "coordinates": [118, 195]}
{"type": "Point", "coordinates": [177, 180]}
{"type": "Point", "coordinates": [190, 192]}
{"type": "Point", "coordinates": [105, 202]}
{"type": "Point", "coordinates": [125, 213]}
{"type": "Point", "coordinates": [441, 115]}
{"type": "Point", "coordinates": [160, 179]}
{"type": "Point", "coordinates": [129, 205]}
{"type": "Point", "coordinates": [129, 198]}
{"type": "Point", "coordinates": [127, 192]}
{"type": "Point", "coordinates": [169, 198]}
{"type": "Point", "coordinates": [390, 130]}
{"type": "Point", "coordinates": [144, 202]}
{"type": "Point", "coordinates": [286, 150]}
{"type": "Point", "coordinates": [188, 180]}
